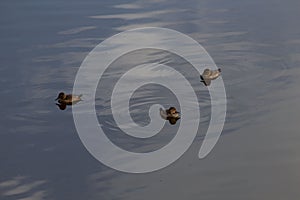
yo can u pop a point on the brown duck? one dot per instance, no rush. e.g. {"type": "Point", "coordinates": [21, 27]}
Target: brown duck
{"type": "Point", "coordinates": [68, 99]}
{"type": "Point", "coordinates": [171, 114]}
{"type": "Point", "coordinates": [209, 75]}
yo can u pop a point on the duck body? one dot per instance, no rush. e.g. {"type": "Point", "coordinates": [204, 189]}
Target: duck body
{"type": "Point", "coordinates": [172, 113]}
{"type": "Point", "coordinates": [209, 75]}
{"type": "Point", "coordinates": [68, 99]}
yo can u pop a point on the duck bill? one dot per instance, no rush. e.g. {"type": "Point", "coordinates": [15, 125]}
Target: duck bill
{"type": "Point", "coordinates": [56, 99]}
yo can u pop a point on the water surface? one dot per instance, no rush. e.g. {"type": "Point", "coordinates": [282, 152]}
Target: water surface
{"type": "Point", "coordinates": [257, 45]}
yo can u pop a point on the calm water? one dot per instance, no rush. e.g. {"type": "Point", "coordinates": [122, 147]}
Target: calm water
{"type": "Point", "coordinates": [256, 43]}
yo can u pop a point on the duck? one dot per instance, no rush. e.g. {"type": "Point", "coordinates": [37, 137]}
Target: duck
{"type": "Point", "coordinates": [171, 114]}
{"type": "Point", "coordinates": [209, 75]}
{"type": "Point", "coordinates": [68, 99]}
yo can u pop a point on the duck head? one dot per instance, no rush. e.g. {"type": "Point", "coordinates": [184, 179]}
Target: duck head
{"type": "Point", "coordinates": [61, 95]}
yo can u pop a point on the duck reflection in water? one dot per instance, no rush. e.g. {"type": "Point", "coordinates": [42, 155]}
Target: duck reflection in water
{"type": "Point", "coordinates": [171, 114]}
{"type": "Point", "coordinates": [67, 99]}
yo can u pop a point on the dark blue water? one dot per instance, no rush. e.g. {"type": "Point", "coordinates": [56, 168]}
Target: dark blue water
{"type": "Point", "coordinates": [257, 45]}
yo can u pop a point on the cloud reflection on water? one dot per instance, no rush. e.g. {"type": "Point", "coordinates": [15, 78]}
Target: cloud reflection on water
{"type": "Point", "coordinates": [23, 189]}
{"type": "Point", "coordinates": [76, 30]}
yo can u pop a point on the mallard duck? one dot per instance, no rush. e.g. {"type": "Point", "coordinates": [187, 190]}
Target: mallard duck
{"type": "Point", "coordinates": [209, 75]}
{"type": "Point", "coordinates": [170, 114]}
{"type": "Point", "coordinates": [68, 99]}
